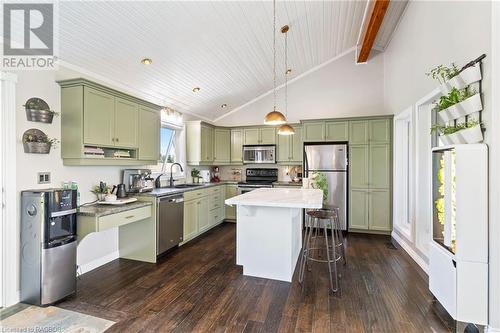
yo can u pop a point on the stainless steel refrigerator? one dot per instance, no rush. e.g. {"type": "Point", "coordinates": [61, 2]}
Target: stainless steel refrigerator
{"type": "Point", "coordinates": [331, 160]}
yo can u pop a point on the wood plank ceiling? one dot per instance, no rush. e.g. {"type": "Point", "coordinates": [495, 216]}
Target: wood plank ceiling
{"type": "Point", "coordinates": [223, 47]}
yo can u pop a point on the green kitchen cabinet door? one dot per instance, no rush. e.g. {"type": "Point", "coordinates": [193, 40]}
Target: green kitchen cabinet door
{"type": "Point", "coordinates": [149, 134]}
{"type": "Point", "coordinates": [231, 191]}
{"type": "Point", "coordinates": [296, 146]}
{"type": "Point", "coordinates": [380, 210]}
{"type": "Point", "coordinates": [379, 166]}
{"type": "Point", "coordinates": [283, 146]}
{"type": "Point", "coordinates": [190, 219]}
{"type": "Point", "coordinates": [358, 132]}
{"type": "Point", "coordinates": [380, 131]}
{"type": "Point", "coordinates": [126, 123]}
{"type": "Point", "coordinates": [358, 166]}
{"type": "Point", "coordinates": [314, 132]}
{"type": "Point", "coordinates": [236, 146]}
{"type": "Point", "coordinates": [251, 136]}
{"type": "Point", "coordinates": [222, 144]}
{"type": "Point", "coordinates": [206, 145]}
{"type": "Point", "coordinates": [98, 118]}
{"type": "Point", "coordinates": [268, 136]}
{"type": "Point", "coordinates": [203, 216]}
{"type": "Point", "coordinates": [337, 131]}
{"type": "Point", "coordinates": [358, 209]}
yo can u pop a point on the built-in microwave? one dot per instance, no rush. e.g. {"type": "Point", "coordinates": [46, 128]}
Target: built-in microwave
{"type": "Point", "coordinates": [259, 154]}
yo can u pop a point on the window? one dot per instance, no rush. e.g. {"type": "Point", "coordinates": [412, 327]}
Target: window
{"type": "Point", "coordinates": [167, 145]}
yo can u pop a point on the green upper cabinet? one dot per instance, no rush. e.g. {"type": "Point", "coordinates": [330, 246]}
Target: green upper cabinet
{"type": "Point", "coordinates": [236, 146]}
{"type": "Point", "coordinates": [358, 132]}
{"type": "Point", "coordinates": [222, 144]}
{"type": "Point", "coordinates": [337, 131]}
{"type": "Point", "coordinates": [267, 135]}
{"type": "Point", "coordinates": [149, 134]}
{"type": "Point", "coordinates": [380, 166]}
{"type": "Point", "coordinates": [126, 120]}
{"type": "Point", "coordinates": [251, 136]}
{"type": "Point", "coordinates": [290, 147]}
{"type": "Point", "coordinates": [297, 147]}
{"type": "Point", "coordinates": [380, 131]}
{"type": "Point", "coordinates": [283, 147]}
{"type": "Point", "coordinates": [206, 156]}
{"type": "Point", "coordinates": [98, 117]}
{"type": "Point", "coordinates": [358, 166]}
{"type": "Point", "coordinates": [314, 131]}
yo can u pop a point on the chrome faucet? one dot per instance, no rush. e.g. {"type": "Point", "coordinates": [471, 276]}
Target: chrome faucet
{"type": "Point", "coordinates": [171, 181]}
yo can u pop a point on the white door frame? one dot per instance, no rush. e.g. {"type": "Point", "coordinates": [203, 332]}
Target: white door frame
{"type": "Point", "coordinates": [9, 230]}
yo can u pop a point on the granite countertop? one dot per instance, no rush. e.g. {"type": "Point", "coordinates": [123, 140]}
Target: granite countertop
{"type": "Point", "coordinates": [97, 210]}
{"type": "Point", "coordinates": [280, 197]}
{"type": "Point", "coordinates": [288, 183]}
{"type": "Point", "coordinates": [160, 192]}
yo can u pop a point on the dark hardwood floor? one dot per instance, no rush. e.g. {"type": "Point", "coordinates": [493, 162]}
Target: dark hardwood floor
{"type": "Point", "coordinates": [198, 288]}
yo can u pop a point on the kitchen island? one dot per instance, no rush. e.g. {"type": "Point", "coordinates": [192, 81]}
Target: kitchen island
{"type": "Point", "coordinates": [269, 229]}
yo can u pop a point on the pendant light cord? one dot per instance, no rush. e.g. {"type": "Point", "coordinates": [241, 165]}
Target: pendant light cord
{"type": "Point", "coordinates": [286, 74]}
{"type": "Point", "coordinates": [274, 53]}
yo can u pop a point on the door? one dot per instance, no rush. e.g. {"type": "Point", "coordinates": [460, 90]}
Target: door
{"type": "Point", "coordinates": [337, 193]}
{"type": "Point", "coordinates": [314, 131]}
{"type": "Point", "coordinates": [380, 166]}
{"type": "Point", "coordinates": [358, 166]}
{"type": "Point", "coordinates": [337, 131]}
{"type": "Point", "coordinates": [380, 131]}
{"type": "Point", "coordinates": [358, 211]}
{"type": "Point", "coordinates": [98, 117]}
{"type": "Point", "coordinates": [358, 132]}
{"type": "Point", "coordinates": [268, 136]}
{"type": "Point", "coordinates": [326, 157]}
{"type": "Point", "coordinates": [203, 217]}
{"type": "Point", "coordinates": [190, 219]}
{"type": "Point", "coordinates": [283, 147]}
{"type": "Point", "coordinates": [380, 210]}
{"type": "Point", "coordinates": [236, 146]}
{"type": "Point", "coordinates": [296, 146]}
{"type": "Point", "coordinates": [222, 143]}
{"type": "Point", "coordinates": [149, 134]}
{"type": "Point", "coordinates": [251, 136]}
{"type": "Point", "coordinates": [126, 123]}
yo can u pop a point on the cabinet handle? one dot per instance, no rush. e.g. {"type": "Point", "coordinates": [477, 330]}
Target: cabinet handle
{"type": "Point", "coordinates": [117, 140]}
{"type": "Point", "coordinates": [112, 139]}
{"type": "Point", "coordinates": [129, 217]}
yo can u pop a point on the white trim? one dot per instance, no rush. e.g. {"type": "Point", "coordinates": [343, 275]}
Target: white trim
{"type": "Point", "coordinates": [98, 262]}
{"type": "Point", "coordinates": [298, 77]}
{"type": "Point", "coordinates": [490, 329]}
{"type": "Point", "coordinates": [412, 253]}
{"type": "Point", "coordinates": [9, 224]}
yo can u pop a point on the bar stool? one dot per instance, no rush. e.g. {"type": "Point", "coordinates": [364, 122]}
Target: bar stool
{"type": "Point", "coordinates": [317, 221]}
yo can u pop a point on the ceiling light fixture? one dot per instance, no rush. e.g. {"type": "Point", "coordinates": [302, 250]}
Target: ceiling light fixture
{"type": "Point", "coordinates": [196, 89]}
{"type": "Point", "coordinates": [224, 105]}
{"type": "Point", "coordinates": [146, 61]}
{"type": "Point", "coordinates": [286, 129]}
{"type": "Point", "coordinates": [274, 117]}
{"type": "Point", "coordinates": [288, 71]}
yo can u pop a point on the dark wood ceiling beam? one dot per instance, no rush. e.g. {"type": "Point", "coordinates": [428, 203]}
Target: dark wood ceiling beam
{"type": "Point", "coordinates": [376, 18]}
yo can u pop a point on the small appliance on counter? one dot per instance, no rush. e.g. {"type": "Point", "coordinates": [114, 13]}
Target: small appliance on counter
{"type": "Point", "coordinates": [205, 176]}
{"type": "Point", "coordinates": [48, 245]}
{"type": "Point", "coordinates": [138, 180]}
{"type": "Point", "coordinates": [215, 175]}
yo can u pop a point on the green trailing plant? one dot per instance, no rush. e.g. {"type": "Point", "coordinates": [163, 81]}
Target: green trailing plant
{"type": "Point", "coordinates": [442, 73]}
{"type": "Point", "coordinates": [454, 97]}
{"type": "Point", "coordinates": [321, 183]}
{"type": "Point", "coordinates": [447, 130]}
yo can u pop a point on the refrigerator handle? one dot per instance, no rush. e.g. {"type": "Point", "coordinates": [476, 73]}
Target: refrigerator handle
{"type": "Point", "coordinates": [306, 164]}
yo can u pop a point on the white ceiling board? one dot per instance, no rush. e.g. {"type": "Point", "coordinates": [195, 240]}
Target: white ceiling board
{"type": "Point", "coordinates": [223, 47]}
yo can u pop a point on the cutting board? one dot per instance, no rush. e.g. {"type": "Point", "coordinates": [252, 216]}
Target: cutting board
{"type": "Point", "coordinates": [118, 201]}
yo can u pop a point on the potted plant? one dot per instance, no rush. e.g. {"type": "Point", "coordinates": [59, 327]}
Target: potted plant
{"type": "Point", "coordinates": [320, 182]}
{"type": "Point", "coordinates": [458, 103]}
{"type": "Point", "coordinates": [195, 173]}
{"type": "Point", "coordinates": [468, 132]}
{"type": "Point", "coordinates": [37, 142]}
{"type": "Point", "coordinates": [38, 110]}
{"type": "Point", "coordinates": [452, 77]}
{"type": "Point", "coordinates": [101, 190]}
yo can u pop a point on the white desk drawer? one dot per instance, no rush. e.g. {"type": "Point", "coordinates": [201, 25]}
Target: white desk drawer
{"type": "Point", "coordinates": [118, 219]}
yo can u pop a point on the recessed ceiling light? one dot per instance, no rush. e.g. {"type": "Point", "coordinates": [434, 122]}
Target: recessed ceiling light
{"type": "Point", "coordinates": [288, 71]}
{"type": "Point", "coordinates": [146, 61]}
{"type": "Point", "coordinates": [196, 89]}
{"type": "Point", "coordinates": [223, 105]}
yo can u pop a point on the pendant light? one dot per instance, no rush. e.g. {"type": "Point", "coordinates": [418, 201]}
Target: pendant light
{"type": "Point", "coordinates": [274, 117]}
{"type": "Point", "coordinates": [286, 129]}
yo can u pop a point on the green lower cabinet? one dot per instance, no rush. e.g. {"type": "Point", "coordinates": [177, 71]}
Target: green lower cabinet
{"type": "Point", "coordinates": [231, 191]}
{"type": "Point", "coordinates": [236, 146]}
{"type": "Point", "coordinates": [337, 131]}
{"type": "Point", "coordinates": [314, 132]}
{"type": "Point", "coordinates": [358, 209]}
{"type": "Point", "coordinates": [190, 219]}
{"type": "Point", "coordinates": [149, 134]}
{"type": "Point", "coordinates": [379, 210]}
{"type": "Point", "coordinates": [222, 146]}
{"type": "Point", "coordinates": [203, 217]}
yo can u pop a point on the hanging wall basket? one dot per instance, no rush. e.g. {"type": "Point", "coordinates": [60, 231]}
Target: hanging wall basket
{"type": "Point", "coordinates": [36, 142]}
{"type": "Point", "coordinates": [462, 109]}
{"type": "Point", "coordinates": [38, 110]}
{"type": "Point", "coordinates": [466, 77]}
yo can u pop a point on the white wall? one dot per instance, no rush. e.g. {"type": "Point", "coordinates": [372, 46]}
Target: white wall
{"type": "Point", "coordinates": [432, 33]}
{"type": "Point", "coordinates": [339, 89]}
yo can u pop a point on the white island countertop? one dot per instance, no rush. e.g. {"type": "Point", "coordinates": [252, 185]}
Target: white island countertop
{"type": "Point", "coordinates": [279, 197]}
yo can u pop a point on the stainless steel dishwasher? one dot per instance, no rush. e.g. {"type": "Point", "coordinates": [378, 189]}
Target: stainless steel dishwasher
{"type": "Point", "coordinates": [169, 222]}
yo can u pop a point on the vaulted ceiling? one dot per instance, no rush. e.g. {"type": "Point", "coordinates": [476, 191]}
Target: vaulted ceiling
{"type": "Point", "coordinates": [223, 47]}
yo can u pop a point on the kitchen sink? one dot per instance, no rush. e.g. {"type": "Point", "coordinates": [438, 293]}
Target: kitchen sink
{"type": "Point", "coordinates": [187, 185]}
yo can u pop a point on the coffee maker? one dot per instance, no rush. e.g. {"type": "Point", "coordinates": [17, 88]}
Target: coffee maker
{"type": "Point", "coordinates": [138, 180]}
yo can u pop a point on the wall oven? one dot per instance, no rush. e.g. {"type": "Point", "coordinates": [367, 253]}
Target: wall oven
{"type": "Point", "coordinates": [259, 154]}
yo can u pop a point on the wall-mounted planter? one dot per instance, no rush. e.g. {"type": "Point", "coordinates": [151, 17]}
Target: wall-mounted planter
{"type": "Point", "coordinates": [446, 139]}
{"type": "Point", "coordinates": [38, 110]}
{"type": "Point", "coordinates": [467, 135]}
{"type": "Point", "coordinates": [462, 109]}
{"type": "Point", "coordinates": [466, 77]}
{"type": "Point", "coordinates": [36, 147]}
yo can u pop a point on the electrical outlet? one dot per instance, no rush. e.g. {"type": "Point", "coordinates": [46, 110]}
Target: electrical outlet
{"type": "Point", "coordinates": [44, 178]}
